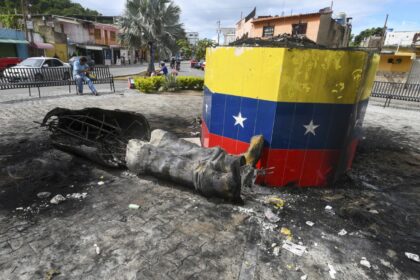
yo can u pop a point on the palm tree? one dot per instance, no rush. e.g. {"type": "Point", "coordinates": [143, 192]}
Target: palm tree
{"type": "Point", "coordinates": [153, 24]}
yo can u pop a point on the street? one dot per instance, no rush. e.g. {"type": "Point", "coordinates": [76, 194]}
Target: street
{"type": "Point", "coordinates": [22, 94]}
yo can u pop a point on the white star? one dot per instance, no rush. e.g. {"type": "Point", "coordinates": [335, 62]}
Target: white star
{"type": "Point", "coordinates": [239, 120]}
{"type": "Point", "coordinates": [310, 128]}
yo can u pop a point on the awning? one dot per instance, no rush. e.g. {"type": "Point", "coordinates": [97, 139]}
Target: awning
{"type": "Point", "coordinates": [114, 46]}
{"type": "Point", "coordinates": [67, 20]}
{"type": "Point", "coordinates": [45, 46]}
{"type": "Point", "coordinates": [13, 41]}
{"type": "Point", "coordinates": [93, 48]}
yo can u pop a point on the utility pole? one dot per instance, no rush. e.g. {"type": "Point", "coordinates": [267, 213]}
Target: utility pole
{"type": "Point", "coordinates": [218, 32]}
{"type": "Point", "coordinates": [383, 33]}
{"type": "Point", "coordinates": [24, 17]}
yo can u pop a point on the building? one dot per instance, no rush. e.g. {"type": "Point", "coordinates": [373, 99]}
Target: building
{"type": "Point", "coordinates": [192, 38]}
{"type": "Point", "coordinates": [320, 27]}
{"type": "Point", "coordinates": [400, 57]}
{"type": "Point", "coordinates": [13, 43]}
{"type": "Point", "coordinates": [228, 35]}
{"type": "Point", "coordinates": [67, 36]}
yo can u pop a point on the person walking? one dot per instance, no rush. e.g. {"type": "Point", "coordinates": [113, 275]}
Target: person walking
{"type": "Point", "coordinates": [80, 75]}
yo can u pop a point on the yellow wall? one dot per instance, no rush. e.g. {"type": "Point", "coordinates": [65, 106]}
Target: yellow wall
{"type": "Point", "coordinates": [60, 50]}
{"type": "Point", "coordinates": [385, 66]}
{"type": "Point", "coordinates": [290, 75]}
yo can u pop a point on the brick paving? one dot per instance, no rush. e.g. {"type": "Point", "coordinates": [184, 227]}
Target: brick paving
{"type": "Point", "coordinates": [176, 234]}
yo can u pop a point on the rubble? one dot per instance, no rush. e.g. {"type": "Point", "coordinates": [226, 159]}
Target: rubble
{"type": "Point", "coordinates": [412, 256]}
{"type": "Point", "coordinates": [271, 216]}
{"type": "Point", "coordinates": [342, 232]}
{"type": "Point", "coordinates": [76, 196]}
{"type": "Point", "coordinates": [332, 271]}
{"type": "Point", "coordinates": [57, 199]}
{"type": "Point", "coordinates": [365, 262]}
{"type": "Point", "coordinates": [309, 223]}
{"type": "Point", "coordinates": [43, 194]}
{"type": "Point", "coordinates": [134, 206]}
{"type": "Point", "coordinates": [294, 248]}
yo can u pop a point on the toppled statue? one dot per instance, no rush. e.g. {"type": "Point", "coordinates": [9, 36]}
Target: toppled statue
{"type": "Point", "coordinates": [210, 171]}
{"type": "Point", "coordinates": [116, 138]}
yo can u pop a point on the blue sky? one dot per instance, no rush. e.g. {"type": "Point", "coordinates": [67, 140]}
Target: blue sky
{"type": "Point", "coordinates": [201, 15]}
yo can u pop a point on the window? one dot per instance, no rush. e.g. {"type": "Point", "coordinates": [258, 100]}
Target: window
{"type": "Point", "coordinates": [299, 28]}
{"type": "Point", "coordinates": [56, 63]}
{"type": "Point", "coordinates": [398, 61]}
{"type": "Point", "coordinates": [268, 31]}
{"type": "Point", "coordinates": [390, 60]}
{"type": "Point", "coordinates": [113, 36]}
{"type": "Point", "coordinates": [97, 34]}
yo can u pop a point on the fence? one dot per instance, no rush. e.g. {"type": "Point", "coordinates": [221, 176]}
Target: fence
{"type": "Point", "coordinates": [13, 78]}
{"type": "Point", "coordinates": [397, 91]}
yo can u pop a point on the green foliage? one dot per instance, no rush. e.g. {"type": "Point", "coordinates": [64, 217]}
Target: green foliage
{"type": "Point", "coordinates": [193, 83]}
{"type": "Point", "coordinates": [202, 45]}
{"type": "Point", "coordinates": [10, 21]}
{"type": "Point", "coordinates": [149, 84]}
{"type": "Point", "coordinates": [365, 34]}
{"type": "Point", "coordinates": [154, 24]}
{"type": "Point", "coordinates": [170, 83]}
{"type": "Point", "coordinates": [185, 47]}
{"type": "Point", "coordinates": [55, 7]}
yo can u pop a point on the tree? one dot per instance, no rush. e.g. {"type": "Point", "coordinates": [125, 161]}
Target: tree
{"type": "Point", "coordinates": [202, 45]}
{"type": "Point", "coordinates": [52, 7]}
{"type": "Point", "coordinates": [185, 47]}
{"type": "Point", "coordinates": [365, 34]}
{"type": "Point", "coordinates": [153, 24]}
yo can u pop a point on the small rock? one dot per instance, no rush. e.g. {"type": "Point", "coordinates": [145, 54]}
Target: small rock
{"type": "Point", "coordinates": [76, 196]}
{"type": "Point", "coordinates": [100, 183]}
{"type": "Point", "coordinates": [43, 194]}
{"type": "Point", "coordinates": [365, 262]}
{"type": "Point", "coordinates": [328, 207]}
{"type": "Point", "coordinates": [57, 199]}
{"type": "Point", "coordinates": [97, 249]}
{"type": "Point", "coordinates": [412, 256]}
{"type": "Point", "coordinates": [134, 206]}
{"type": "Point", "coordinates": [373, 211]}
{"type": "Point", "coordinates": [304, 277]}
{"type": "Point", "coordinates": [332, 271]}
{"type": "Point", "coordinates": [342, 232]}
{"type": "Point", "coordinates": [276, 251]}
{"type": "Point", "coordinates": [309, 223]}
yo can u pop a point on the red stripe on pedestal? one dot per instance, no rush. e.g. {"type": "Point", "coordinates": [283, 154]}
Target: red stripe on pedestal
{"type": "Point", "coordinates": [303, 168]}
{"type": "Point", "coordinates": [298, 167]}
{"type": "Point", "coordinates": [352, 152]}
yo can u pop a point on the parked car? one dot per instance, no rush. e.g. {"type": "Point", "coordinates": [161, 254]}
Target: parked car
{"type": "Point", "coordinates": [193, 62]}
{"type": "Point", "coordinates": [73, 59]}
{"type": "Point", "coordinates": [198, 64]}
{"type": "Point", "coordinates": [7, 62]}
{"type": "Point", "coordinates": [21, 71]}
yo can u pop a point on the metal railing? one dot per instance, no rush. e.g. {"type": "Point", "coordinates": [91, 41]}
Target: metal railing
{"type": "Point", "coordinates": [13, 78]}
{"type": "Point", "coordinates": [397, 91]}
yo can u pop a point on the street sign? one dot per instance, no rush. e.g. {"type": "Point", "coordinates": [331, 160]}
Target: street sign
{"type": "Point", "coordinates": [29, 24]}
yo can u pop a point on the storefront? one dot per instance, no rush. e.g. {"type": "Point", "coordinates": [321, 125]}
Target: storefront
{"type": "Point", "coordinates": [13, 43]}
{"type": "Point", "coordinates": [94, 52]}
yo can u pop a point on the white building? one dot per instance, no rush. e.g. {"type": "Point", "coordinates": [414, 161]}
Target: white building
{"type": "Point", "coordinates": [399, 38]}
{"type": "Point", "coordinates": [228, 35]}
{"type": "Point", "coordinates": [192, 37]}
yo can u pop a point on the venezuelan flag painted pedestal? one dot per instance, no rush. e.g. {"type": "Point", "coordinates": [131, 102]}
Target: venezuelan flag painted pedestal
{"type": "Point", "coordinates": [309, 105]}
